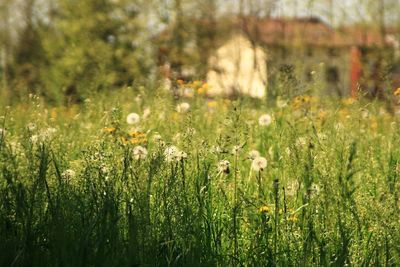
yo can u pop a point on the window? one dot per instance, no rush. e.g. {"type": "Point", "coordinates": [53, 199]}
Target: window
{"type": "Point", "coordinates": [332, 75]}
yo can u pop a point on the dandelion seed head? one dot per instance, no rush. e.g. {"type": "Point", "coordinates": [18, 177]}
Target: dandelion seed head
{"type": "Point", "coordinates": [265, 120]}
{"type": "Point", "coordinates": [139, 153]}
{"type": "Point", "coordinates": [236, 149]}
{"type": "Point", "coordinates": [31, 126]}
{"type": "Point", "coordinates": [253, 154]}
{"type": "Point", "coordinates": [133, 118]}
{"type": "Point", "coordinates": [171, 153]}
{"type": "Point", "coordinates": [223, 166]}
{"type": "Point", "coordinates": [183, 107]}
{"type": "Point", "coordinates": [68, 174]}
{"type": "Point", "coordinates": [34, 139]}
{"type": "Point", "coordinates": [181, 155]}
{"type": "Point", "coordinates": [259, 164]}
{"type": "Point", "coordinates": [157, 137]}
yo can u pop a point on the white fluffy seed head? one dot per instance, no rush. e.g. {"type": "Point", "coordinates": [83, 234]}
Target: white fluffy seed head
{"type": "Point", "coordinates": [171, 153]}
{"type": "Point", "coordinates": [133, 118]}
{"type": "Point", "coordinates": [236, 150]}
{"type": "Point", "coordinates": [253, 154]}
{"type": "Point", "coordinates": [139, 153]}
{"type": "Point", "coordinates": [259, 164]}
{"type": "Point", "coordinates": [265, 120]}
{"type": "Point", "coordinates": [183, 107]}
{"type": "Point", "coordinates": [223, 166]}
{"type": "Point", "coordinates": [68, 174]}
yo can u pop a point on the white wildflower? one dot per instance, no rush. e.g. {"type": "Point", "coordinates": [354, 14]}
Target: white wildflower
{"type": "Point", "coordinates": [157, 138]}
{"type": "Point", "coordinates": [139, 153]}
{"type": "Point", "coordinates": [322, 136]}
{"type": "Point", "coordinates": [236, 149]}
{"type": "Point", "coordinates": [223, 166]}
{"type": "Point", "coordinates": [301, 141]}
{"type": "Point", "coordinates": [146, 113]}
{"type": "Point", "coordinates": [48, 133]}
{"type": "Point", "coordinates": [265, 120]}
{"type": "Point", "coordinates": [31, 126]}
{"type": "Point", "coordinates": [364, 113]}
{"type": "Point", "coordinates": [181, 156]}
{"type": "Point", "coordinates": [313, 190]}
{"type": "Point", "coordinates": [171, 153]}
{"type": "Point", "coordinates": [188, 92]}
{"type": "Point", "coordinates": [292, 188]}
{"type": "Point", "coordinates": [68, 174]}
{"type": "Point", "coordinates": [259, 164]}
{"type": "Point", "coordinates": [183, 107]}
{"type": "Point", "coordinates": [281, 103]}
{"type": "Point", "coordinates": [35, 139]}
{"type": "Point", "coordinates": [104, 168]}
{"type": "Point", "coordinates": [133, 118]}
{"type": "Point", "coordinates": [254, 154]}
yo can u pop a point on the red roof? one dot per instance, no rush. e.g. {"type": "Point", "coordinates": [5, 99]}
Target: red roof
{"type": "Point", "coordinates": [309, 31]}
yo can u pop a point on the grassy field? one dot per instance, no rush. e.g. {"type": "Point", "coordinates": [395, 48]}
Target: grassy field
{"type": "Point", "coordinates": [135, 180]}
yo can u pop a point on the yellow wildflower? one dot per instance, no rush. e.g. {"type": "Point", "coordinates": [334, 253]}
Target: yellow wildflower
{"type": "Point", "coordinates": [212, 104]}
{"type": "Point", "coordinates": [137, 134]}
{"type": "Point", "coordinates": [264, 209]}
{"type": "Point", "coordinates": [53, 113]}
{"type": "Point", "coordinates": [138, 140]}
{"type": "Point", "coordinates": [201, 91]}
{"type": "Point", "coordinates": [197, 83]}
{"type": "Point", "coordinates": [397, 92]}
{"type": "Point", "coordinates": [124, 140]}
{"type": "Point", "coordinates": [109, 130]}
{"type": "Point", "coordinates": [374, 124]}
{"type": "Point", "coordinates": [348, 101]}
{"type": "Point", "coordinates": [293, 218]}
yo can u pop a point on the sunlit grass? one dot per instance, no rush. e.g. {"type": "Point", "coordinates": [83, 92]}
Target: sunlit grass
{"type": "Point", "coordinates": [199, 182]}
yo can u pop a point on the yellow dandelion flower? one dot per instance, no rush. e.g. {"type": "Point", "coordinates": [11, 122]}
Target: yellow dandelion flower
{"type": "Point", "coordinates": [53, 113]}
{"type": "Point", "coordinates": [374, 124]}
{"type": "Point", "coordinates": [322, 115]}
{"type": "Point", "coordinates": [344, 112]}
{"type": "Point", "coordinates": [197, 83]}
{"type": "Point", "coordinates": [137, 134]}
{"type": "Point", "coordinates": [139, 140]}
{"type": "Point", "coordinates": [348, 101]}
{"type": "Point", "coordinates": [109, 130]}
{"type": "Point", "coordinates": [264, 209]}
{"type": "Point", "coordinates": [175, 117]}
{"type": "Point", "coordinates": [293, 218]}
{"type": "Point", "coordinates": [205, 86]}
{"type": "Point", "coordinates": [212, 104]}
{"type": "Point", "coordinates": [201, 91]}
{"type": "Point", "coordinates": [124, 140]}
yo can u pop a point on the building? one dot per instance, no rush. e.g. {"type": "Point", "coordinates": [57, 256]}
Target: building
{"type": "Point", "coordinates": [275, 56]}
{"type": "Point", "coordinates": [302, 51]}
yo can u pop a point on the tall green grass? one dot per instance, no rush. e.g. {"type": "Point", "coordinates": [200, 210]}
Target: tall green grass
{"type": "Point", "coordinates": [328, 197]}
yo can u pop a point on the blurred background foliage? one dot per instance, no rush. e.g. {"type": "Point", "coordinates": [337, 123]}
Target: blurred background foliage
{"type": "Point", "coordinates": [65, 50]}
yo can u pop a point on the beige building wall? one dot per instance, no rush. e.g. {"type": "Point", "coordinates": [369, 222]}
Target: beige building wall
{"type": "Point", "coordinates": [238, 67]}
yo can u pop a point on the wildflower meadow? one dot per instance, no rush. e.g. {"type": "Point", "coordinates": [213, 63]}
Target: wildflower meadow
{"type": "Point", "coordinates": [153, 179]}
